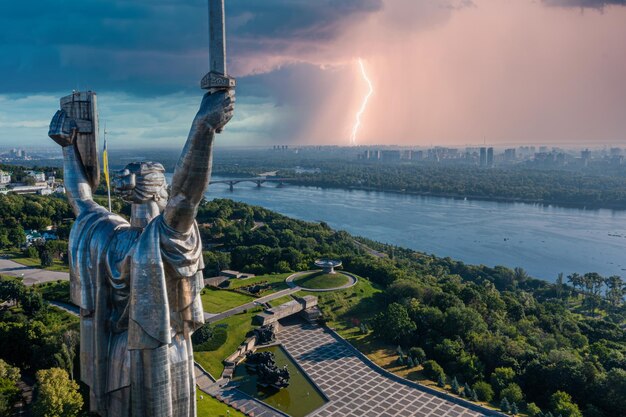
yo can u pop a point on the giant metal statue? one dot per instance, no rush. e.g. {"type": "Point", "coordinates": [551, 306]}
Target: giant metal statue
{"type": "Point", "coordinates": [138, 283]}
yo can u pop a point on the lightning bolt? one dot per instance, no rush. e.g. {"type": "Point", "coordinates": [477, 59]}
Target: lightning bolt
{"type": "Point", "coordinates": [357, 122]}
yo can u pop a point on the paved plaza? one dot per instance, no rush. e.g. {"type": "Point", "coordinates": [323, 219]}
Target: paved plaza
{"type": "Point", "coordinates": [354, 387]}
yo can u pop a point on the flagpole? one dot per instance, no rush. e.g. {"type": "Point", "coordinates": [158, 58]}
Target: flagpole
{"type": "Point", "coordinates": [105, 163]}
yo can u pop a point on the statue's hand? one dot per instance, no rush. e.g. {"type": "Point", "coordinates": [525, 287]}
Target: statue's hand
{"type": "Point", "coordinates": [63, 129]}
{"type": "Point", "coordinates": [216, 109]}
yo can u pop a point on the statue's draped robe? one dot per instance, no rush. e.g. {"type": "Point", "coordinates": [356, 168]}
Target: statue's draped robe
{"type": "Point", "coordinates": [139, 296]}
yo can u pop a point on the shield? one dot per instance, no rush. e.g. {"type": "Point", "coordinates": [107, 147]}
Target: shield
{"type": "Point", "coordinates": [83, 108]}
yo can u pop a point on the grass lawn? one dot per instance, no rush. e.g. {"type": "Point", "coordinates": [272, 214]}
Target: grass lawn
{"type": "Point", "coordinates": [210, 407]}
{"type": "Point", "coordinates": [280, 300]}
{"type": "Point", "coordinates": [346, 308]}
{"type": "Point", "coordinates": [55, 291]}
{"type": "Point", "coordinates": [217, 301]}
{"type": "Point", "coordinates": [237, 328]}
{"type": "Point", "coordinates": [18, 257]}
{"type": "Point", "coordinates": [277, 282]}
{"type": "Point", "coordinates": [320, 280]}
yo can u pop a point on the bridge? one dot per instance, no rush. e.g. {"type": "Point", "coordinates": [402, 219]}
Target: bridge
{"type": "Point", "coordinates": [258, 180]}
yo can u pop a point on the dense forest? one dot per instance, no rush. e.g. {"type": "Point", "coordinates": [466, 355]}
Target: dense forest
{"type": "Point", "coordinates": [523, 185]}
{"type": "Point", "coordinates": [506, 336]}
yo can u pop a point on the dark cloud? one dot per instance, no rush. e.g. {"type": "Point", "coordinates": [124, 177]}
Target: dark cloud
{"type": "Point", "coordinates": [149, 46]}
{"type": "Point", "coordinates": [590, 4]}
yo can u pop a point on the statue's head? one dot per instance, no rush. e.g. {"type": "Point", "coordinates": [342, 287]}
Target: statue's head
{"type": "Point", "coordinates": [142, 182]}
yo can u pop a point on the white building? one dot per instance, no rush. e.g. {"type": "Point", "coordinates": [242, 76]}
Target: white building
{"type": "Point", "coordinates": [37, 175]}
{"type": "Point", "coordinates": [5, 177]}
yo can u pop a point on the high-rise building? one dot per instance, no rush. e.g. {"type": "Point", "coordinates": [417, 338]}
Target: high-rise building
{"type": "Point", "coordinates": [483, 157]}
{"type": "Point", "coordinates": [509, 155]}
{"type": "Point", "coordinates": [490, 157]}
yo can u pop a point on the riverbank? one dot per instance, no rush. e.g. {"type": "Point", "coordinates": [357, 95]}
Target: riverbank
{"type": "Point", "coordinates": [456, 196]}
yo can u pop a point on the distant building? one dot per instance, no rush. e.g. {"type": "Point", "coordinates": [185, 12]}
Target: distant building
{"type": "Point", "coordinates": [37, 175]}
{"type": "Point", "coordinates": [509, 155]}
{"type": "Point", "coordinates": [483, 157]}
{"type": "Point", "coordinates": [390, 155]}
{"type": "Point", "coordinates": [5, 177]}
{"type": "Point", "coordinates": [585, 156]}
{"type": "Point", "coordinates": [417, 155]}
{"type": "Point", "coordinates": [490, 160]}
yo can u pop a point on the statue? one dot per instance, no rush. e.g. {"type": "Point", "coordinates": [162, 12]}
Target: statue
{"type": "Point", "coordinates": [138, 283]}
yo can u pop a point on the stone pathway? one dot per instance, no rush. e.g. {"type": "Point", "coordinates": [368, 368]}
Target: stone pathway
{"type": "Point", "coordinates": [357, 388]}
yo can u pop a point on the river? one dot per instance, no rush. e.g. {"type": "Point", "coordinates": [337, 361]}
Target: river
{"type": "Point", "coordinates": [544, 240]}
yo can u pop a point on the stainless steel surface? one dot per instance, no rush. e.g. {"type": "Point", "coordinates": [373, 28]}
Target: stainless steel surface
{"type": "Point", "coordinates": [217, 78]}
{"type": "Point", "coordinates": [217, 37]}
{"type": "Point", "coordinates": [138, 283]}
{"type": "Point", "coordinates": [82, 108]}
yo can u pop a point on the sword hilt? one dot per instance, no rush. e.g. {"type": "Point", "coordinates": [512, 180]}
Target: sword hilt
{"type": "Point", "coordinates": [217, 81]}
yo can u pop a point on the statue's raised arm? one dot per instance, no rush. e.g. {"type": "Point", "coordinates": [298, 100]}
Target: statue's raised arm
{"type": "Point", "coordinates": [193, 170]}
{"type": "Point", "coordinates": [64, 131]}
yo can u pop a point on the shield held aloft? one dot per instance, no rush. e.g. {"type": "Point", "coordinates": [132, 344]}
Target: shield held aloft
{"type": "Point", "coordinates": [83, 108]}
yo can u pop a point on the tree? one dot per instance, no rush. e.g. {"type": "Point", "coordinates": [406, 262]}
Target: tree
{"type": "Point", "coordinates": [56, 394]}
{"type": "Point", "coordinates": [514, 409]}
{"type": "Point", "coordinates": [561, 403]}
{"type": "Point", "coordinates": [483, 391]}
{"type": "Point", "coordinates": [9, 391]}
{"type": "Point", "coordinates": [533, 410]}
{"type": "Point", "coordinates": [394, 324]}
{"type": "Point", "coordinates": [501, 377]}
{"type": "Point", "coordinates": [45, 257]}
{"type": "Point", "coordinates": [513, 393]}
{"type": "Point", "coordinates": [576, 280]}
{"type": "Point", "coordinates": [433, 370]}
{"type": "Point", "coordinates": [505, 406]}
{"type": "Point", "coordinates": [616, 289]}
{"type": "Point", "coordinates": [454, 385]}
{"type": "Point", "coordinates": [418, 355]}
{"type": "Point", "coordinates": [441, 380]}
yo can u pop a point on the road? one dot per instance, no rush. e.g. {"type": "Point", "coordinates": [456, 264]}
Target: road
{"type": "Point", "coordinates": [32, 276]}
{"type": "Point", "coordinates": [212, 318]}
{"type": "Point", "coordinates": [29, 274]}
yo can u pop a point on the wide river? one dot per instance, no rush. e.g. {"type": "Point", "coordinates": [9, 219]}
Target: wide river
{"type": "Point", "coordinates": [544, 240]}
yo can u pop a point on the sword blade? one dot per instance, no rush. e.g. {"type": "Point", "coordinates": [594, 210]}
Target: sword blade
{"type": "Point", "coordinates": [217, 37]}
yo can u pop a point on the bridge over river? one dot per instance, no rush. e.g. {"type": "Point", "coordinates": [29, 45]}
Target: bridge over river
{"type": "Point", "coordinates": [258, 180]}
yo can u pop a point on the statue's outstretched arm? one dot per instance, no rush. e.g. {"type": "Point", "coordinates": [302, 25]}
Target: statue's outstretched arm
{"type": "Point", "coordinates": [63, 131]}
{"type": "Point", "coordinates": [193, 170]}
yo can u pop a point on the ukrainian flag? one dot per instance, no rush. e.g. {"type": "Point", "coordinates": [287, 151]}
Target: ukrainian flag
{"type": "Point", "coordinates": [105, 167]}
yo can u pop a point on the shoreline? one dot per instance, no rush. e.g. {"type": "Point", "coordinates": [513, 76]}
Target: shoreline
{"type": "Point", "coordinates": [454, 196]}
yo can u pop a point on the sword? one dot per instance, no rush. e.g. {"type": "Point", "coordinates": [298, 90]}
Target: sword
{"type": "Point", "coordinates": [217, 78]}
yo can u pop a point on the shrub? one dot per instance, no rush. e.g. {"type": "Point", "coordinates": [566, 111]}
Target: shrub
{"type": "Point", "coordinates": [483, 391]}
{"type": "Point", "coordinates": [513, 393]}
{"type": "Point", "coordinates": [417, 354]}
{"type": "Point", "coordinates": [218, 338]}
{"type": "Point", "coordinates": [533, 410]}
{"type": "Point", "coordinates": [433, 370]}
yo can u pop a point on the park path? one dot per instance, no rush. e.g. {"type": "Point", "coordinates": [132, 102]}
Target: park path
{"type": "Point", "coordinates": [212, 318]}
{"type": "Point", "coordinates": [29, 274]}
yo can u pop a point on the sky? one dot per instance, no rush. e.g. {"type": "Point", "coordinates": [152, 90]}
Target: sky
{"type": "Point", "coordinates": [443, 72]}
